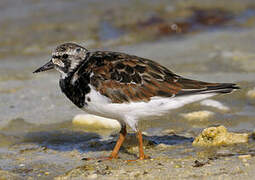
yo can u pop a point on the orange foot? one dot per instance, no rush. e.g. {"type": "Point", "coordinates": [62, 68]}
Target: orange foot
{"type": "Point", "coordinates": [140, 158]}
{"type": "Point", "coordinates": [110, 158]}
{"type": "Point", "coordinates": [144, 157]}
{"type": "Point", "coordinates": [100, 158]}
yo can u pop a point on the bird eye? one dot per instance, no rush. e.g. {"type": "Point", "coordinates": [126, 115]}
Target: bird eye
{"type": "Point", "coordinates": [65, 56]}
{"type": "Point", "coordinates": [78, 50]}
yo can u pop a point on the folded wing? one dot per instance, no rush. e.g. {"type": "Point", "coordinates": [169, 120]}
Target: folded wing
{"type": "Point", "coordinates": [124, 78]}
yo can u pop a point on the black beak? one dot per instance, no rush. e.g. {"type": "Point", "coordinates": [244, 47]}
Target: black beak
{"type": "Point", "coordinates": [49, 65]}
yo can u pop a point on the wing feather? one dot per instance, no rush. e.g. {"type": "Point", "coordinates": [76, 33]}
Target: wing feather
{"type": "Point", "coordinates": [124, 78]}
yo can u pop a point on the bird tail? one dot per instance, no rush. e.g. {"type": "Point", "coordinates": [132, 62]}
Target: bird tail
{"type": "Point", "coordinates": [219, 88]}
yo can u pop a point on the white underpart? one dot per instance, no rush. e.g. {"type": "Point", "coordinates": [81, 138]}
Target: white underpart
{"type": "Point", "coordinates": [130, 113]}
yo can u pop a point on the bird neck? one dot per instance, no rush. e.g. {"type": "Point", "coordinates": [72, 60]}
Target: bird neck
{"type": "Point", "coordinates": [78, 70]}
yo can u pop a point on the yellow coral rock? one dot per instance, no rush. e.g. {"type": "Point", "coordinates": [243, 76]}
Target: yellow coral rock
{"type": "Point", "coordinates": [217, 136]}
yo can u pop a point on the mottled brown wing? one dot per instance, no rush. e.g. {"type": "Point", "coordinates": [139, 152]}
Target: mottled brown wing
{"type": "Point", "coordinates": [126, 78]}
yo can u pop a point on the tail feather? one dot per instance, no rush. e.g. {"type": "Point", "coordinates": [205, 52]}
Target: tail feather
{"type": "Point", "coordinates": [224, 88]}
{"type": "Point", "coordinates": [220, 88]}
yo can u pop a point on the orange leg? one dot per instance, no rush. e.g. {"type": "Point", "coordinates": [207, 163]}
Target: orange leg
{"type": "Point", "coordinates": [115, 151]}
{"type": "Point", "coordinates": [114, 154]}
{"type": "Point", "coordinates": [142, 156]}
{"type": "Point", "coordinates": [141, 152]}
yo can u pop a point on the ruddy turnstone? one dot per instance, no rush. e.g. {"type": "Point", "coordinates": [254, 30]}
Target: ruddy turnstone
{"type": "Point", "coordinates": [124, 87]}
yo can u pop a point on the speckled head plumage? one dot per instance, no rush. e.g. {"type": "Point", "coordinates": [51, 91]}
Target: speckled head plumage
{"type": "Point", "coordinates": [65, 58]}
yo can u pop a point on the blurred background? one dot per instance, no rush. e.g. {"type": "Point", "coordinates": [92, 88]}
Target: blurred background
{"type": "Point", "coordinates": [34, 27]}
{"type": "Point", "coordinates": [209, 40]}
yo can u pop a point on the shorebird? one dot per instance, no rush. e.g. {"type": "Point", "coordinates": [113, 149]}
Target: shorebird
{"type": "Point", "coordinates": [124, 87]}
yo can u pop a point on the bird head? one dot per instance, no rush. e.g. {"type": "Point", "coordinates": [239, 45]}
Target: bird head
{"type": "Point", "coordinates": [65, 59]}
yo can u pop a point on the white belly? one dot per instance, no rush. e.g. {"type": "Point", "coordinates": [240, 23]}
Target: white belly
{"type": "Point", "coordinates": [130, 113]}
